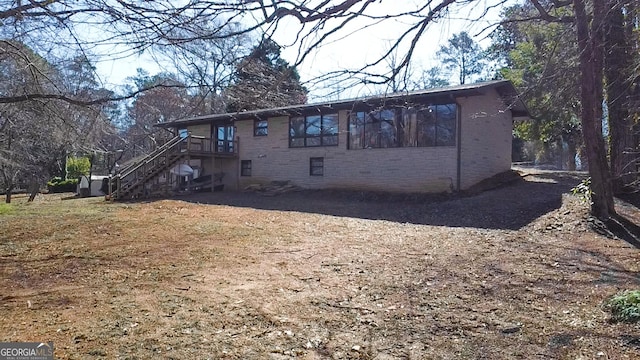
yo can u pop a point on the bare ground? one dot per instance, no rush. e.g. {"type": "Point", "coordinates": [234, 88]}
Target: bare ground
{"type": "Point", "coordinates": [510, 273]}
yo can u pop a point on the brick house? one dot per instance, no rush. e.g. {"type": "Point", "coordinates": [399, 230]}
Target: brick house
{"type": "Point", "coordinates": [435, 140]}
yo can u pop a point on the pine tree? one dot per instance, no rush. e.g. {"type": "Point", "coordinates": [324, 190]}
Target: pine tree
{"type": "Point", "coordinates": [264, 80]}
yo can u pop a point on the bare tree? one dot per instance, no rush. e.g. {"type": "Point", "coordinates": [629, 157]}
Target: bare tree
{"type": "Point", "coordinates": [35, 135]}
{"type": "Point", "coordinates": [134, 27]}
{"type": "Point", "coordinates": [207, 67]}
{"type": "Point", "coordinates": [141, 24]}
{"type": "Point", "coordinates": [109, 30]}
{"type": "Point", "coordinates": [401, 81]}
{"type": "Point", "coordinates": [151, 107]}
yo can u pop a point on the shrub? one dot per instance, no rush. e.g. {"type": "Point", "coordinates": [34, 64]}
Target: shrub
{"type": "Point", "coordinates": [583, 190]}
{"type": "Point", "coordinates": [57, 185]}
{"type": "Point", "coordinates": [78, 166]}
{"type": "Point", "coordinates": [625, 307]}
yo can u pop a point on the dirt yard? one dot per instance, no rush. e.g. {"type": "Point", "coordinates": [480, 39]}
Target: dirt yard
{"type": "Point", "coordinates": [513, 273]}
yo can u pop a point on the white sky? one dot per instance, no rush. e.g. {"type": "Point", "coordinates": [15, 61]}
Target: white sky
{"type": "Point", "coordinates": [348, 49]}
{"type": "Point", "coordinates": [354, 49]}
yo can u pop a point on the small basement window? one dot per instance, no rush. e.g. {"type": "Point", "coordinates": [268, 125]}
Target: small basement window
{"type": "Point", "coordinates": [245, 168]}
{"type": "Point", "coordinates": [316, 166]}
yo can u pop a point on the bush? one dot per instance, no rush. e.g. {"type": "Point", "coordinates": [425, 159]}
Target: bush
{"type": "Point", "coordinates": [583, 190]}
{"type": "Point", "coordinates": [57, 185]}
{"type": "Point", "coordinates": [625, 307]}
{"type": "Point", "coordinates": [78, 166]}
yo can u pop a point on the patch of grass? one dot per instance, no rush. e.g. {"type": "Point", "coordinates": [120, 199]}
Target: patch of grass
{"type": "Point", "coordinates": [6, 209]}
{"type": "Point", "coordinates": [625, 307]}
{"type": "Point", "coordinates": [86, 208]}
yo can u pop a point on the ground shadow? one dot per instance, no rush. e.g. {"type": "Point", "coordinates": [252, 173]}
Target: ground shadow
{"type": "Point", "coordinates": [621, 224]}
{"type": "Point", "coordinates": [630, 198]}
{"type": "Point", "coordinates": [624, 229]}
{"type": "Point", "coordinates": [507, 207]}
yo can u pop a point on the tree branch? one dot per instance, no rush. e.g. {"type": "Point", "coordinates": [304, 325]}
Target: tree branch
{"type": "Point", "coordinates": [79, 102]}
{"type": "Point", "coordinates": [546, 15]}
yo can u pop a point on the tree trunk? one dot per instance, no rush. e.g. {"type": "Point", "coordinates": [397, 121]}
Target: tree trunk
{"type": "Point", "coordinates": [64, 166]}
{"type": "Point", "coordinates": [91, 160]}
{"type": "Point", "coordinates": [590, 41]}
{"type": "Point", "coordinates": [560, 145]}
{"type": "Point", "coordinates": [617, 66]}
{"type": "Point", "coordinates": [571, 155]}
{"type": "Point", "coordinates": [34, 188]}
{"type": "Point", "coordinates": [7, 198]}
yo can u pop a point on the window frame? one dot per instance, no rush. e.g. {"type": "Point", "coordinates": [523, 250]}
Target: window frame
{"type": "Point", "coordinates": [257, 127]}
{"type": "Point", "coordinates": [244, 168]}
{"type": "Point", "coordinates": [325, 139]}
{"type": "Point", "coordinates": [360, 127]}
{"type": "Point", "coordinates": [313, 164]}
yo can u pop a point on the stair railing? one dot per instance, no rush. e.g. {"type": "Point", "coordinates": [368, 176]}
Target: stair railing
{"type": "Point", "coordinates": [129, 175]}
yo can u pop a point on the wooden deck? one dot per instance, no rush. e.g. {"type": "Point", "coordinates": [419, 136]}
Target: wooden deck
{"type": "Point", "coordinates": [132, 181]}
{"type": "Point", "coordinates": [205, 147]}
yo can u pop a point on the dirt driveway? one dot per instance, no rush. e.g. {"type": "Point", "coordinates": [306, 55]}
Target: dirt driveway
{"type": "Point", "coordinates": [510, 273]}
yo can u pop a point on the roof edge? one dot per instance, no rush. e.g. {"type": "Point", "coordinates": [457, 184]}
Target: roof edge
{"type": "Point", "coordinates": [504, 87]}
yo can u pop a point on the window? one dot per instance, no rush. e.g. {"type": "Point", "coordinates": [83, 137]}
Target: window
{"type": "Point", "coordinates": [380, 129]}
{"type": "Point", "coordinates": [183, 133]}
{"type": "Point", "coordinates": [446, 125]}
{"type": "Point", "coordinates": [404, 127]}
{"type": "Point", "coordinates": [260, 127]}
{"type": "Point", "coordinates": [376, 129]}
{"type": "Point", "coordinates": [316, 166]}
{"type": "Point", "coordinates": [316, 130]}
{"type": "Point", "coordinates": [245, 168]}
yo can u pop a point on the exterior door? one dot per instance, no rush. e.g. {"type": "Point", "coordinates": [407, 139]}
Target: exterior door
{"type": "Point", "coordinates": [224, 138]}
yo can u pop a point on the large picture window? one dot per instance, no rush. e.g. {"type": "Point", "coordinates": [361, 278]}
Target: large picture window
{"type": "Point", "coordinates": [403, 127]}
{"type": "Point", "coordinates": [315, 130]}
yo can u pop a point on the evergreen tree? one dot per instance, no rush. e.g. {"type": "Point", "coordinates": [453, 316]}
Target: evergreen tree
{"type": "Point", "coordinates": [541, 60]}
{"type": "Point", "coordinates": [263, 79]}
{"type": "Point", "coordinates": [462, 56]}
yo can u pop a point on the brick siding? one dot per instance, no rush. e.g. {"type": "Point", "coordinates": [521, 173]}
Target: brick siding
{"type": "Point", "coordinates": [486, 130]}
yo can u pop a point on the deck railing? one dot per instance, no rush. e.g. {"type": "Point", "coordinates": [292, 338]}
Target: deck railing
{"type": "Point", "coordinates": [202, 145]}
{"type": "Point", "coordinates": [134, 176]}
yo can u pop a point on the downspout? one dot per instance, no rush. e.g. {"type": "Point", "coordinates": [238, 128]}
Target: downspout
{"type": "Point", "coordinates": [459, 146]}
{"type": "Point", "coordinates": [238, 169]}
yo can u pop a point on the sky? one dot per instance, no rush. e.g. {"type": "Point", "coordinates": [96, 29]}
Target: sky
{"type": "Point", "coordinates": [350, 49]}
{"type": "Point", "coordinates": [363, 46]}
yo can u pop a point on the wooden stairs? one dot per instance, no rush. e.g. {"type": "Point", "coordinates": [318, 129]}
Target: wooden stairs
{"type": "Point", "coordinates": [130, 182]}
